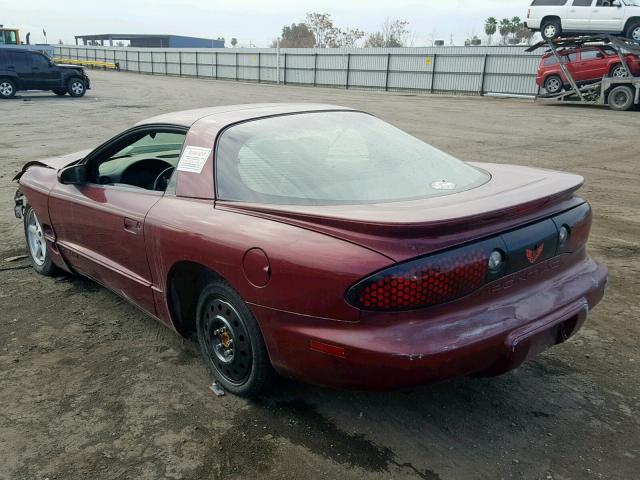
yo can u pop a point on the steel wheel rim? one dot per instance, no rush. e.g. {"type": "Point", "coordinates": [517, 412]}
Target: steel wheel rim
{"type": "Point", "coordinates": [6, 88]}
{"type": "Point", "coordinates": [553, 85]}
{"type": "Point", "coordinates": [77, 88]}
{"type": "Point", "coordinates": [226, 340]}
{"type": "Point", "coordinates": [620, 98]}
{"type": "Point", "coordinates": [636, 34]}
{"type": "Point", "coordinates": [35, 238]}
{"type": "Point", "coordinates": [550, 31]}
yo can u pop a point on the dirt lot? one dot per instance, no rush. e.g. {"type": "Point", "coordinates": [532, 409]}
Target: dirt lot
{"type": "Point", "coordinates": [92, 388]}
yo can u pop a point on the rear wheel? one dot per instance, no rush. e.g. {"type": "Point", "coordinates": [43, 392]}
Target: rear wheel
{"type": "Point", "coordinates": [37, 245]}
{"type": "Point", "coordinates": [231, 342]}
{"type": "Point", "coordinates": [77, 87]}
{"type": "Point", "coordinates": [551, 28]}
{"type": "Point", "coordinates": [7, 88]}
{"type": "Point", "coordinates": [621, 98]}
{"type": "Point", "coordinates": [553, 84]}
{"type": "Point", "coordinates": [633, 31]}
{"type": "Point", "coordinates": [60, 92]}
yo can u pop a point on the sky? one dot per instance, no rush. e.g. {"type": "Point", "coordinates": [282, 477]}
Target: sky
{"type": "Point", "coordinates": [252, 22]}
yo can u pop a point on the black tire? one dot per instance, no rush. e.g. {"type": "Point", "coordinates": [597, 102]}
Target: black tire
{"type": "Point", "coordinates": [633, 31]}
{"type": "Point", "coordinates": [621, 98]}
{"type": "Point", "coordinates": [553, 84]}
{"type": "Point", "coordinates": [619, 71]}
{"type": "Point", "coordinates": [42, 262]}
{"type": "Point", "coordinates": [7, 88]}
{"type": "Point", "coordinates": [60, 92]}
{"type": "Point", "coordinates": [231, 342]}
{"type": "Point", "coordinates": [76, 87]}
{"type": "Point", "coordinates": [551, 28]}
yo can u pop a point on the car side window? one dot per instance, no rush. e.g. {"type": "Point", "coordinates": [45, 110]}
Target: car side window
{"type": "Point", "coordinates": [572, 57]}
{"type": "Point", "coordinates": [604, 3]}
{"type": "Point", "coordinates": [16, 59]}
{"type": "Point", "coordinates": [582, 3]}
{"type": "Point", "coordinates": [39, 61]}
{"type": "Point", "coordinates": [590, 55]}
{"type": "Point", "coordinates": [550, 61]}
{"type": "Point", "coordinates": [144, 160]}
{"type": "Point", "coordinates": [548, 3]}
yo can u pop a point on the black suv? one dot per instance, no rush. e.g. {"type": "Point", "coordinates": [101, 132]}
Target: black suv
{"type": "Point", "coordinates": [22, 69]}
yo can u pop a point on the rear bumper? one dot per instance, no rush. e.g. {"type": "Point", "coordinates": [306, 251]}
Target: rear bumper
{"type": "Point", "coordinates": [487, 333]}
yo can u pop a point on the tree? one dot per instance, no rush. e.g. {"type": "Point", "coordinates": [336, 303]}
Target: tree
{"type": "Point", "coordinates": [297, 35]}
{"type": "Point", "coordinates": [393, 34]}
{"type": "Point", "coordinates": [490, 28]}
{"type": "Point", "coordinates": [504, 29]}
{"type": "Point", "coordinates": [327, 35]}
{"type": "Point", "coordinates": [346, 38]}
{"type": "Point", "coordinates": [322, 28]}
{"type": "Point", "coordinates": [234, 42]}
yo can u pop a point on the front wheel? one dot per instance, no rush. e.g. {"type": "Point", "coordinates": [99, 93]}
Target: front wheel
{"type": "Point", "coordinates": [231, 342]}
{"type": "Point", "coordinates": [621, 98]}
{"type": "Point", "coordinates": [37, 245]}
{"type": "Point", "coordinates": [551, 29]}
{"type": "Point", "coordinates": [7, 88]}
{"type": "Point", "coordinates": [633, 31]}
{"type": "Point", "coordinates": [619, 71]}
{"type": "Point", "coordinates": [77, 88]}
{"type": "Point", "coordinates": [553, 84]}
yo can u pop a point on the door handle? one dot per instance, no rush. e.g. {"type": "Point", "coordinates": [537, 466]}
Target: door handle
{"type": "Point", "coordinates": [132, 226]}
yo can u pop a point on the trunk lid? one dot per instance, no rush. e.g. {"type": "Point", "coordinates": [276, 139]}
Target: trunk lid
{"type": "Point", "coordinates": [514, 196]}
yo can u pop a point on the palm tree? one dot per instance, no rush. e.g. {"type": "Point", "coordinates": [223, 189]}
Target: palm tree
{"type": "Point", "coordinates": [505, 29]}
{"type": "Point", "coordinates": [490, 28]}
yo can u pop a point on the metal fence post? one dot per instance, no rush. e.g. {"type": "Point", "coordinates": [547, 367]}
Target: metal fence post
{"type": "Point", "coordinates": [346, 85]}
{"type": "Point", "coordinates": [259, 65]}
{"type": "Point", "coordinates": [152, 69]}
{"type": "Point", "coordinates": [138, 61]}
{"type": "Point", "coordinates": [197, 68]}
{"type": "Point", "coordinates": [180, 62]}
{"type": "Point", "coordinates": [433, 72]}
{"type": "Point", "coordinates": [386, 78]}
{"type": "Point", "coordinates": [315, 68]}
{"type": "Point", "coordinates": [166, 64]}
{"type": "Point", "coordinates": [484, 73]}
{"type": "Point", "coordinates": [216, 76]}
{"type": "Point", "coordinates": [284, 80]}
{"type": "Point", "coordinates": [236, 66]}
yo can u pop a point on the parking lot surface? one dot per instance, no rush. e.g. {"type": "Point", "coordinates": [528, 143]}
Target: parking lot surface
{"type": "Point", "coordinates": [92, 388]}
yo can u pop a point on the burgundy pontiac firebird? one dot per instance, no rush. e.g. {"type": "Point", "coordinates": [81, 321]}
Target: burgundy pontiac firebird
{"type": "Point", "coordinates": [321, 243]}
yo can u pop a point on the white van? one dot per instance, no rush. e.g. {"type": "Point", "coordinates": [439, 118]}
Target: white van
{"type": "Point", "coordinates": [556, 17]}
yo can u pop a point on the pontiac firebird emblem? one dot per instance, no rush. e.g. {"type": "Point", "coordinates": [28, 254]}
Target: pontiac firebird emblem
{"type": "Point", "coordinates": [533, 255]}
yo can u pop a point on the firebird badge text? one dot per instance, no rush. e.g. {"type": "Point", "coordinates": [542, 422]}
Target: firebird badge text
{"type": "Point", "coordinates": [534, 254]}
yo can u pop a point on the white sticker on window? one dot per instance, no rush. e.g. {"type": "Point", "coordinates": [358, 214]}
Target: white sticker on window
{"type": "Point", "coordinates": [193, 159]}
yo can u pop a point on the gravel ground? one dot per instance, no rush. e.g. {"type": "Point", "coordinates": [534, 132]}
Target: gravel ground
{"type": "Point", "coordinates": [92, 388]}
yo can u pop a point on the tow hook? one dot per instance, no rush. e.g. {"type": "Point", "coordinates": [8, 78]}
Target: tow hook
{"type": "Point", "coordinates": [20, 202]}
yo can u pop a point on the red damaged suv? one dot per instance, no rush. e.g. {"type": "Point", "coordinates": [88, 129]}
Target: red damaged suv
{"type": "Point", "coordinates": [587, 64]}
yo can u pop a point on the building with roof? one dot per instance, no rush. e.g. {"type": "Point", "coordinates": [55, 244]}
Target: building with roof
{"type": "Point", "coordinates": [150, 41]}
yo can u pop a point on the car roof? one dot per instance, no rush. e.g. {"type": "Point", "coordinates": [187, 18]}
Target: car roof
{"type": "Point", "coordinates": [188, 118]}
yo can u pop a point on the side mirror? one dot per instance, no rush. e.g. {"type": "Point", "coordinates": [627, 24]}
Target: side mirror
{"type": "Point", "coordinates": [73, 175]}
{"type": "Point", "coordinates": [617, 3]}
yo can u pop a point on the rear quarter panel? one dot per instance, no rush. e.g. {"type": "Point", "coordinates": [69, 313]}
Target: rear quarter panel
{"type": "Point", "coordinates": [309, 271]}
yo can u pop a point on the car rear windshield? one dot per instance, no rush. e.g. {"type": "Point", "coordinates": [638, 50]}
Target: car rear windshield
{"type": "Point", "coordinates": [326, 158]}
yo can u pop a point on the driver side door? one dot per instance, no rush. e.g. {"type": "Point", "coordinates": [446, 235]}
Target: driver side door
{"type": "Point", "coordinates": [99, 223]}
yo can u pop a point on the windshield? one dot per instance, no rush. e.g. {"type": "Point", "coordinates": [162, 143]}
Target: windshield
{"type": "Point", "coordinates": [633, 2]}
{"type": "Point", "coordinates": [333, 158]}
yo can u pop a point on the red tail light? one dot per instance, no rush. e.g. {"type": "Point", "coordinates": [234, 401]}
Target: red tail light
{"type": "Point", "coordinates": [453, 274]}
{"type": "Point", "coordinates": [427, 281]}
